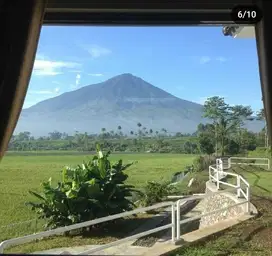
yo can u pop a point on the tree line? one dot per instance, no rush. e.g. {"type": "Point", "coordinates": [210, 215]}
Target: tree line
{"type": "Point", "coordinates": [225, 134]}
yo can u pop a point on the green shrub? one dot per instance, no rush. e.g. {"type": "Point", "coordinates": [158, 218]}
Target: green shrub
{"type": "Point", "coordinates": [260, 152]}
{"type": "Point", "coordinates": [92, 190]}
{"type": "Point", "coordinates": [155, 192]}
{"type": "Point", "coordinates": [202, 163]}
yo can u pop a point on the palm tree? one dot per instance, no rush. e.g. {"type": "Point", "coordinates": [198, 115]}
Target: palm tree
{"type": "Point", "coordinates": [120, 130]}
{"type": "Point", "coordinates": [164, 131]}
{"type": "Point", "coordinates": [140, 133]}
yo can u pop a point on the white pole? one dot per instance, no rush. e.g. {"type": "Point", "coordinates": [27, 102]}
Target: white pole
{"type": "Point", "coordinates": [178, 220]}
{"type": "Point", "coordinates": [238, 186]}
{"type": "Point", "coordinates": [217, 179]}
{"type": "Point", "coordinates": [173, 223]}
{"type": "Point", "coordinates": [248, 199]}
{"type": "Point", "coordinates": [229, 163]}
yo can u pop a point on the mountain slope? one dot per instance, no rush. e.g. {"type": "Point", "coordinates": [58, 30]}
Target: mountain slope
{"type": "Point", "coordinates": [122, 100]}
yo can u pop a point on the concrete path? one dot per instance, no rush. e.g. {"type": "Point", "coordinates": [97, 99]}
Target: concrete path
{"type": "Point", "coordinates": [189, 234]}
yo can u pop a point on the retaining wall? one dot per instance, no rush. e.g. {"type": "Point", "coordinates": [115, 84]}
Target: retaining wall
{"type": "Point", "coordinates": [218, 201]}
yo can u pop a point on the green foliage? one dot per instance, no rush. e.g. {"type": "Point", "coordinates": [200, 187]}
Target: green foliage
{"type": "Point", "coordinates": [226, 119]}
{"type": "Point", "coordinates": [92, 190]}
{"type": "Point", "coordinates": [260, 152]}
{"type": "Point", "coordinates": [155, 192]}
{"type": "Point", "coordinates": [202, 163]}
{"type": "Point", "coordinates": [198, 251]}
{"type": "Point", "coordinates": [206, 143]}
{"type": "Point", "coordinates": [233, 148]}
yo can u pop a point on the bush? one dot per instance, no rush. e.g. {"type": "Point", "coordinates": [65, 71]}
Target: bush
{"type": "Point", "coordinates": [233, 148]}
{"type": "Point", "coordinates": [89, 191]}
{"type": "Point", "coordinates": [156, 192]}
{"type": "Point", "coordinates": [260, 152]}
{"type": "Point", "coordinates": [202, 163]}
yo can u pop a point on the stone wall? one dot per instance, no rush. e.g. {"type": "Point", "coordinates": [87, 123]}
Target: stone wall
{"type": "Point", "coordinates": [216, 202]}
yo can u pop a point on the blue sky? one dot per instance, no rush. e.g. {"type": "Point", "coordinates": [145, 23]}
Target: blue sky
{"type": "Point", "coordinates": [192, 63]}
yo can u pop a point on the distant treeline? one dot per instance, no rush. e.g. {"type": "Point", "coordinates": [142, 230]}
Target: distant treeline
{"type": "Point", "coordinates": [224, 135]}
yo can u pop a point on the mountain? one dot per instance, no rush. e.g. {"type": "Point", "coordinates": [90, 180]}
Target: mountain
{"type": "Point", "coordinates": [123, 100]}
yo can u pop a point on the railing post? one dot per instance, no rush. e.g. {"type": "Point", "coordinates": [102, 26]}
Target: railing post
{"type": "Point", "coordinates": [1, 248]}
{"type": "Point", "coordinates": [217, 179]}
{"type": "Point", "coordinates": [268, 163]}
{"type": "Point", "coordinates": [178, 220]}
{"type": "Point", "coordinates": [248, 199]}
{"type": "Point", "coordinates": [173, 223]}
{"type": "Point", "coordinates": [210, 178]}
{"type": "Point", "coordinates": [229, 162]}
{"type": "Point", "coordinates": [238, 186]}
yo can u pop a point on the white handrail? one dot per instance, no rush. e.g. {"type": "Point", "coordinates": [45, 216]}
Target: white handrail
{"type": "Point", "coordinates": [239, 179]}
{"type": "Point", "coordinates": [175, 208]}
{"type": "Point", "coordinates": [57, 231]}
{"type": "Point", "coordinates": [21, 240]}
{"type": "Point", "coordinates": [230, 163]}
{"type": "Point", "coordinates": [129, 238]}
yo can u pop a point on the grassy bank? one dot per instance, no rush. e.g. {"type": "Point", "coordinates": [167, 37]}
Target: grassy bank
{"type": "Point", "coordinates": [21, 173]}
{"type": "Point", "coordinates": [252, 237]}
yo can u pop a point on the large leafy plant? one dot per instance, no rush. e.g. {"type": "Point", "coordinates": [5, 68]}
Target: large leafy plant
{"type": "Point", "coordinates": [92, 190]}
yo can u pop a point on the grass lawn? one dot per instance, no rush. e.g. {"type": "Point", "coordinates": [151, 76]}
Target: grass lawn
{"type": "Point", "coordinates": [252, 237]}
{"type": "Point", "coordinates": [18, 174]}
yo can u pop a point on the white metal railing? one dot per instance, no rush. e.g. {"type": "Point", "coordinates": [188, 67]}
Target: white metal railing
{"type": "Point", "coordinates": [175, 227]}
{"type": "Point", "coordinates": [175, 222]}
{"type": "Point", "coordinates": [265, 161]}
{"type": "Point", "coordinates": [58, 231]}
{"type": "Point", "coordinates": [216, 175]}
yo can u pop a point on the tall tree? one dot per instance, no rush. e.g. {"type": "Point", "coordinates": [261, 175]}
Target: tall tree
{"type": "Point", "coordinates": [215, 108]}
{"type": "Point", "coordinates": [55, 135]}
{"type": "Point", "coordinates": [226, 119]}
{"type": "Point", "coordinates": [241, 114]}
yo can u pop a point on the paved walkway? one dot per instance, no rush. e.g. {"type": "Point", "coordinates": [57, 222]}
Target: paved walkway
{"type": "Point", "coordinates": [127, 248]}
{"type": "Point", "coordinates": [189, 234]}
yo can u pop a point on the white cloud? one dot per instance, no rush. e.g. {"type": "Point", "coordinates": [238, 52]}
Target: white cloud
{"type": "Point", "coordinates": [95, 74]}
{"type": "Point", "coordinates": [44, 67]}
{"type": "Point", "coordinates": [54, 91]}
{"type": "Point", "coordinates": [221, 59]}
{"type": "Point", "coordinates": [75, 71]}
{"type": "Point", "coordinates": [204, 59]}
{"type": "Point", "coordinates": [207, 59]}
{"type": "Point", "coordinates": [97, 51]}
{"type": "Point", "coordinates": [41, 92]}
{"type": "Point", "coordinates": [78, 76]}
{"type": "Point", "coordinates": [56, 82]}
{"type": "Point", "coordinates": [77, 82]}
